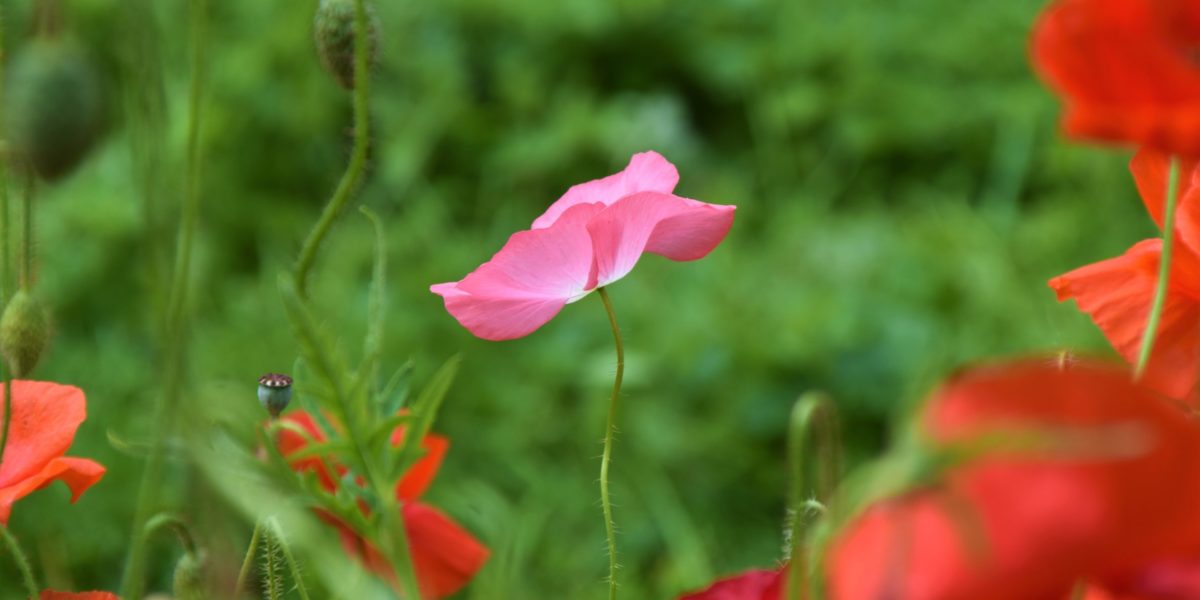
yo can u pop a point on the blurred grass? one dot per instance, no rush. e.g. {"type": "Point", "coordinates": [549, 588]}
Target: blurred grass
{"type": "Point", "coordinates": [903, 196]}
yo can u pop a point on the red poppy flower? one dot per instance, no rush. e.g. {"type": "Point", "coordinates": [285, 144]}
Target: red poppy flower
{"type": "Point", "coordinates": [1128, 71]}
{"type": "Point", "coordinates": [1112, 496]}
{"type": "Point", "coordinates": [1117, 293]}
{"type": "Point", "coordinates": [444, 555]}
{"type": "Point", "coordinates": [45, 417]}
{"type": "Point", "coordinates": [52, 595]}
{"type": "Point", "coordinates": [751, 585]}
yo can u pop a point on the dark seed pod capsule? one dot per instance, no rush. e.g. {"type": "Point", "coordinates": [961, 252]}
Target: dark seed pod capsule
{"type": "Point", "coordinates": [333, 31]}
{"type": "Point", "coordinates": [189, 577]}
{"type": "Point", "coordinates": [55, 106]}
{"type": "Point", "coordinates": [274, 392]}
{"type": "Point", "coordinates": [24, 333]}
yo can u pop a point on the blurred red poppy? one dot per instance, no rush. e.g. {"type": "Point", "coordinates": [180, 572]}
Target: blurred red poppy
{"type": "Point", "coordinates": [444, 555]}
{"type": "Point", "coordinates": [1117, 293]}
{"type": "Point", "coordinates": [751, 585]}
{"type": "Point", "coordinates": [44, 420]}
{"type": "Point", "coordinates": [52, 595]}
{"type": "Point", "coordinates": [1106, 490]}
{"type": "Point", "coordinates": [1128, 71]}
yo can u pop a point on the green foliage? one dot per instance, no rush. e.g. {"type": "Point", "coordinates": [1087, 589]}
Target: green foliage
{"type": "Point", "coordinates": [903, 197]}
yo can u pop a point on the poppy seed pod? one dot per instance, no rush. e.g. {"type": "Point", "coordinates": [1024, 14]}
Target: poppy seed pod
{"type": "Point", "coordinates": [274, 392]}
{"type": "Point", "coordinates": [333, 32]}
{"type": "Point", "coordinates": [24, 333]}
{"type": "Point", "coordinates": [54, 104]}
{"type": "Point", "coordinates": [189, 577]}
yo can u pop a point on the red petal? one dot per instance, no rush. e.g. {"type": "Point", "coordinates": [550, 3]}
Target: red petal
{"type": "Point", "coordinates": [445, 556]}
{"type": "Point", "coordinates": [421, 474]}
{"type": "Point", "coordinates": [751, 585]}
{"type": "Point", "coordinates": [290, 441]}
{"type": "Point", "coordinates": [1117, 294]}
{"type": "Point", "coordinates": [43, 427]}
{"type": "Point", "coordinates": [78, 473]}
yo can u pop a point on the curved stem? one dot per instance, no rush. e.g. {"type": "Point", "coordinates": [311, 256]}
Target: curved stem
{"type": "Point", "coordinates": [812, 414]}
{"type": "Point", "coordinates": [248, 561]}
{"type": "Point", "coordinates": [293, 566]}
{"type": "Point", "coordinates": [1164, 272]}
{"type": "Point", "coordinates": [605, 501]}
{"type": "Point", "coordinates": [31, 585]}
{"type": "Point", "coordinates": [174, 340]}
{"type": "Point", "coordinates": [358, 156]}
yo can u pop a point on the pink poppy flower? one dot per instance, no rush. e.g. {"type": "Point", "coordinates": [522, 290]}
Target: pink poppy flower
{"type": "Point", "coordinates": [591, 237]}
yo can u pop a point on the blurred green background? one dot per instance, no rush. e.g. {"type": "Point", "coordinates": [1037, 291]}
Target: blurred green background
{"type": "Point", "coordinates": [903, 196]}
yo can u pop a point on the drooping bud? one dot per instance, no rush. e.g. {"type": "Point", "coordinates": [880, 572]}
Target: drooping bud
{"type": "Point", "coordinates": [333, 32]}
{"type": "Point", "coordinates": [55, 105]}
{"type": "Point", "coordinates": [189, 577]}
{"type": "Point", "coordinates": [24, 333]}
{"type": "Point", "coordinates": [274, 392]}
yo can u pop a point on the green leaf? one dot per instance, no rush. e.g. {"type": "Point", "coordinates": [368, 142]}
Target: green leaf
{"type": "Point", "coordinates": [424, 412]}
{"type": "Point", "coordinates": [376, 300]}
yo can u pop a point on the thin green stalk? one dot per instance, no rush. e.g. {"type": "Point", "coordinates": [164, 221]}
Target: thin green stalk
{"type": "Point", "coordinates": [9, 402]}
{"type": "Point", "coordinates": [5, 240]}
{"type": "Point", "coordinates": [248, 561]}
{"type": "Point", "coordinates": [26, 271]}
{"type": "Point", "coordinates": [293, 566]}
{"type": "Point", "coordinates": [272, 575]}
{"type": "Point", "coordinates": [358, 157]}
{"type": "Point", "coordinates": [812, 414]}
{"type": "Point", "coordinates": [31, 585]}
{"type": "Point", "coordinates": [1164, 272]}
{"type": "Point", "coordinates": [610, 529]}
{"type": "Point", "coordinates": [132, 585]}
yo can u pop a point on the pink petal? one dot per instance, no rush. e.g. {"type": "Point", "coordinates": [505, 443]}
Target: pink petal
{"type": "Point", "coordinates": [78, 473]}
{"type": "Point", "coordinates": [664, 224]}
{"type": "Point", "coordinates": [528, 281]}
{"type": "Point", "coordinates": [646, 172]}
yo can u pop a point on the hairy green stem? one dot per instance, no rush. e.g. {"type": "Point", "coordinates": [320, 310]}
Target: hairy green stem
{"type": "Point", "coordinates": [812, 414]}
{"type": "Point", "coordinates": [293, 566]}
{"type": "Point", "coordinates": [174, 340]}
{"type": "Point", "coordinates": [1164, 272]}
{"type": "Point", "coordinates": [610, 529]}
{"type": "Point", "coordinates": [14, 548]}
{"type": "Point", "coordinates": [248, 561]}
{"type": "Point", "coordinates": [352, 177]}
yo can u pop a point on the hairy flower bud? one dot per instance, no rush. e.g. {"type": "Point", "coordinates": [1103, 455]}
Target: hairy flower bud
{"type": "Point", "coordinates": [55, 106]}
{"type": "Point", "coordinates": [189, 577]}
{"type": "Point", "coordinates": [333, 31]}
{"type": "Point", "coordinates": [24, 333]}
{"type": "Point", "coordinates": [274, 392]}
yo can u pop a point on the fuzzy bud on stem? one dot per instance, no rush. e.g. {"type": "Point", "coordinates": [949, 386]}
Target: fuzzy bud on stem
{"type": "Point", "coordinates": [24, 333]}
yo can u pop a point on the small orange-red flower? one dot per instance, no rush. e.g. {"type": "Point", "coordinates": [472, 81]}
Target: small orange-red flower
{"type": "Point", "coordinates": [1117, 293]}
{"type": "Point", "coordinates": [1111, 494]}
{"type": "Point", "coordinates": [44, 419]}
{"type": "Point", "coordinates": [1129, 70]}
{"type": "Point", "coordinates": [444, 555]}
{"type": "Point", "coordinates": [751, 585]}
{"type": "Point", "coordinates": [52, 595]}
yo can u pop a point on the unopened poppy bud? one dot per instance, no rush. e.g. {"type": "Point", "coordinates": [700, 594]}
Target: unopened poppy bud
{"type": "Point", "coordinates": [189, 577]}
{"type": "Point", "coordinates": [24, 333]}
{"type": "Point", "coordinates": [55, 106]}
{"type": "Point", "coordinates": [333, 32]}
{"type": "Point", "coordinates": [274, 392]}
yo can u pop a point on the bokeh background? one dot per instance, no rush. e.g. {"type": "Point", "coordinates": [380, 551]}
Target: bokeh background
{"type": "Point", "coordinates": [903, 196]}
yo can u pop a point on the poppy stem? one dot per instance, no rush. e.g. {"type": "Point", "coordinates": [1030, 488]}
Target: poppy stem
{"type": "Point", "coordinates": [31, 585]}
{"type": "Point", "coordinates": [1164, 272]}
{"type": "Point", "coordinates": [352, 177]}
{"type": "Point", "coordinates": [610, 529]}
{"type": "Point", "coordinates": [248, 561]}
{"type": "Point", "coordinates": [812, 414]}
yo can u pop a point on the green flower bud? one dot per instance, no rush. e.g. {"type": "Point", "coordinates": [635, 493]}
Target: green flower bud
{"type": "Point", "coordinates": [189, 577]}
{"type": "Point", "coordinates": [274, 392]}
{"type": "Point", "coordinates": [24, 333]}
{"type": "Point", "coordinates": [55, 106]}
{"type": "Point", "coordinates": [333, 31]}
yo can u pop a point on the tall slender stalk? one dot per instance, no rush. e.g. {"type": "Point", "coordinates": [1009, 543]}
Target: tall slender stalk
{"type": "Point", "coordinates": [27, 578]}
{"type": "Point", "coordinates": [248, 561]}
{"type": "Point", "coordinates": [610, 529]}
{"type": "Point", "coordinates": [132, 586]}
{"type": "Point", "coordinates": [352, 177]}
{"type": "Point", "coordinates": [1164, 272]}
